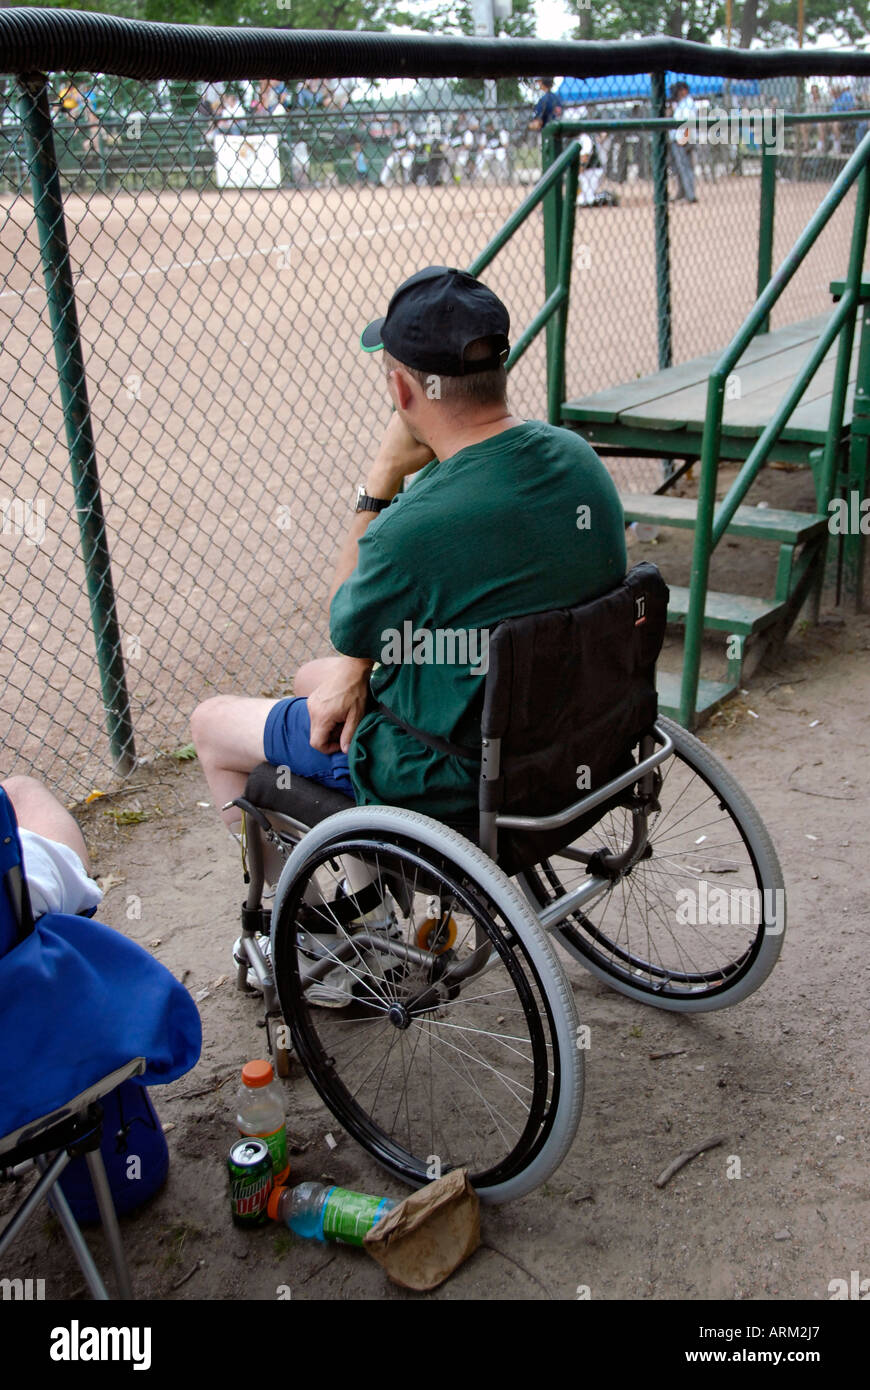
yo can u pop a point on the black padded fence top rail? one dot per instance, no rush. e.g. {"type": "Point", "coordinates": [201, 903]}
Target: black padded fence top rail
{"type": "Point", "coordinates": [71, 40]}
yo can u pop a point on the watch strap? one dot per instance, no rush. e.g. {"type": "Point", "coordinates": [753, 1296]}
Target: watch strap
{"type": "Point", "coordinates": [365, 503]}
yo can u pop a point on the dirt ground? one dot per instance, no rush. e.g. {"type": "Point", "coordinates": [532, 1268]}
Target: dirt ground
{"type": "Point", "coordinates": [782, 1077]}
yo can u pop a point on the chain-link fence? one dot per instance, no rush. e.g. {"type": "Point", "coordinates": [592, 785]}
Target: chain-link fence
{"type": "Point", "coordinates": [227, 243]}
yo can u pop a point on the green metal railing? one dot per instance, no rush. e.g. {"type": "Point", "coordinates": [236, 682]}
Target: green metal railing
{"type": "Point", "coordinates": [558, 265]}
{"type": "Point", "coordinates": [659, 126]}
{"type": "Point", "coordinates": [709, 529]}
{"type": "Point", "coordinates": [559, 221]}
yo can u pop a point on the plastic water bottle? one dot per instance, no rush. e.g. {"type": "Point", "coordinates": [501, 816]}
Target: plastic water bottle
{"type": "Point", "coordinates": [260, 1113]}
{"type": "Point", "coordinates": [644, 531]}
{"type": "Point", "coordinates": [327, 1213]}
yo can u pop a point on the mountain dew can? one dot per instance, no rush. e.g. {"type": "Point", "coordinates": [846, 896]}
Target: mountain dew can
{"type": "Point", "coordinates": [250, 1169]}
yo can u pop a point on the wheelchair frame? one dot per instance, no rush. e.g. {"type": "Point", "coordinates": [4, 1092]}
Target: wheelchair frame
{"type": "Point", "coordinates": [256, 919]}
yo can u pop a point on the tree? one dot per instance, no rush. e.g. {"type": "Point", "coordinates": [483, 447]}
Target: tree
{"type": "Point", "coordinates": [776, 23]}
{"type": "Point", "coordinates": [455, 17]}
{"type": "Point", "coordinates": [773, 22]}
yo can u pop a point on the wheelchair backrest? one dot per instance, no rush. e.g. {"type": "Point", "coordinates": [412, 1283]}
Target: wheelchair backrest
{"type": "Point", "coordinates": [569, 691]}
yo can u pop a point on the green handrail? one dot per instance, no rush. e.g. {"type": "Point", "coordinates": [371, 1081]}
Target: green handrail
{"type": "Point", "coordinates": [755, 459]}
{"type": "Point", "coordinates": [527, 206]}
{"type": "Point", "coordinates": [567, 164]}
{"type": "Point", "coordinates": [659, 126]}
{"type": "Point", "coordinates": [664, 329]}
{"type": "Point", "coordinates": [844, 318]}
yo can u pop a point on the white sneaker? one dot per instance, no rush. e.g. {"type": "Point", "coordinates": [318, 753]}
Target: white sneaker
{"type": "Point", "coordinates": [240, 957]}
{"type": "Point", "coordinates": [333, 991]}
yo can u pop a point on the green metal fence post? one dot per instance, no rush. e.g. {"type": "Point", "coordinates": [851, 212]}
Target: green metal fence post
{"type": "Point", "coordinates": [550, 151]}
{"type": "Point", "coordinates": [54, 249]}
{"type": "Point", "coordinates": [832, 453]}
{"type": "Point", "coordinates": [767, 202]}
{"type": "Point", "coordinates": [662, 232]}
{"type": "Point", "coordinates": [854, 545]}
{"type": "Point", "coordinates": [694, 631]}
{"type": "Point", "coordinates": [847, 338]}
{"type": "Point", "coordinates": [556, 383]}
{"type": "Point", "coordinates": [103, 177]}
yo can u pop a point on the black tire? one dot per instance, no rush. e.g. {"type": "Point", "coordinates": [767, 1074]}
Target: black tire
{"type": "Point", "coordinates": [429, 1072]}
{"type": "Point", "coordinates": [643, 937]}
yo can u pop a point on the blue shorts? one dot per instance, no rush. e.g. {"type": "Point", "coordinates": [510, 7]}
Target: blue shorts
{"type": "Point", "coordinates": [287, 743]}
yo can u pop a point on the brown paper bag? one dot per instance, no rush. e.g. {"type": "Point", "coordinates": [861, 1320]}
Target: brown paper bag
{"type": "Point", "coordinates": [422, 1240]}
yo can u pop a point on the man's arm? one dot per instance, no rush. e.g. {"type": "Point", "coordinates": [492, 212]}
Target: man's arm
{"type": "Point", "coordinates": [399, 455]}
{"type": "Point", "coordinates": [337, 706]}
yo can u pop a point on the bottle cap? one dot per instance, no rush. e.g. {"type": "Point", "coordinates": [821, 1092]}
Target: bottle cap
{"type": "Point", "coordinates": [257, 1073]}
{"type": "Point", "coordinates": [274, 1199]}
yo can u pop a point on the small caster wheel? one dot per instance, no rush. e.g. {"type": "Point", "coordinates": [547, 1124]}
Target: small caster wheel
{"type": "Point", "coordinates": [436, 935]}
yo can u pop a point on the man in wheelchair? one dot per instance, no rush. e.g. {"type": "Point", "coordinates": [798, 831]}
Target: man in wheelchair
{"type": "Point", "coordinates": [497, 666]}
{"type": "Point", "coordinates": [506, 516]}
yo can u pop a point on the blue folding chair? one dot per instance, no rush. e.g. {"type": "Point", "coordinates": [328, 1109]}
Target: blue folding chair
{"type": "Point", "coordinates": [82, 1009]}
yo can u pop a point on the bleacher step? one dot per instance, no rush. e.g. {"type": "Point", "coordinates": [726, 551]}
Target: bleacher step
{"type": "Point", "coordinates": [710, 693]}
{"type": "Point", "coordinates": [767, 523]}
{"type": "Point", "coordinates": [740, 613]}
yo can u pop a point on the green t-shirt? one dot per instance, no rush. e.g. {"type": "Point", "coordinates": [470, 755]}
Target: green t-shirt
{"type": "Point", "coordinates": [526, 521]}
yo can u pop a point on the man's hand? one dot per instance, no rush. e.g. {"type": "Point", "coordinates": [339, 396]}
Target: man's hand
{"type": "Point", "coordinates": [338, 704]}
{"type": "Point", "coordinates": [399, 454]}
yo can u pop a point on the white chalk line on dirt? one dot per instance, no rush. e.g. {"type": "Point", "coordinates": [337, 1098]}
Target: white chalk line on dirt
{"type": "Point", "coordinates": [279, 248]}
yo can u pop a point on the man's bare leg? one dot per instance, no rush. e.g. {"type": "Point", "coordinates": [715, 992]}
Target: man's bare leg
{"type": "Point", "coordinates": [228, 733]}
{"type": "Point", "coordinates": [38, 810]}
{"type": "Point", "coordinates": [228, 736]}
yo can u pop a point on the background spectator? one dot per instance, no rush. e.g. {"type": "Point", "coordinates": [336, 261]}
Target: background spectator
{"type": "Point", "coordinates": [681, 149]}
{"type": "Point", "coordinates": [844, 100]}
{"type": "Point", "coordinates": [549, 108]}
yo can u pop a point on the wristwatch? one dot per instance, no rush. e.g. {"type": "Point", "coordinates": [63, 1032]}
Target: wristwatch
{"type": "Point", "coordinates": [364, 503]}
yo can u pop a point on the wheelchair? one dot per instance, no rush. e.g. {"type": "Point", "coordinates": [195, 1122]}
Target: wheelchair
{"type": "Point", "coordinates": [416, 969]}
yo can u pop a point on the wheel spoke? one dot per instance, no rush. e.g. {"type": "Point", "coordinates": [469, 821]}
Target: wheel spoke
{"type": "Point", "coordinates": [635, 935]}
{"type": "Point", "coordinates": [445, 1079]}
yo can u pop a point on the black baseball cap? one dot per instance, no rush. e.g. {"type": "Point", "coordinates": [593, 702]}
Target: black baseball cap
{"type": "Point", "coordinates": [432, 318]}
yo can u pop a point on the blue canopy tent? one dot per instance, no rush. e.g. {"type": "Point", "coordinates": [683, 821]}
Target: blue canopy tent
{"type": "Point", "coordinates": [577, 91]}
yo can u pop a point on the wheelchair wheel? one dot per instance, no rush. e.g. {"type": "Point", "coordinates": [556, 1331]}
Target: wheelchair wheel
{"type": "Point", "coordinates": [697, 923]}
{"type": "Point", "coordinates": [439, 1057]}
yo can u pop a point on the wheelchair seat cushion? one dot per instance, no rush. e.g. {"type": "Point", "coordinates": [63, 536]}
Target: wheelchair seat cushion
{"type": "Point", "coordinates": [302, 799]}
{"type": "Point", "coordinates": [310, 803]}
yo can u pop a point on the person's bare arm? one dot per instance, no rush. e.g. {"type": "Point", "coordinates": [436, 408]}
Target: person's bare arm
{"type": "Point", "coordinates": [398, 456]}
{"type": "Point", "coordinates": [338, 704]}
